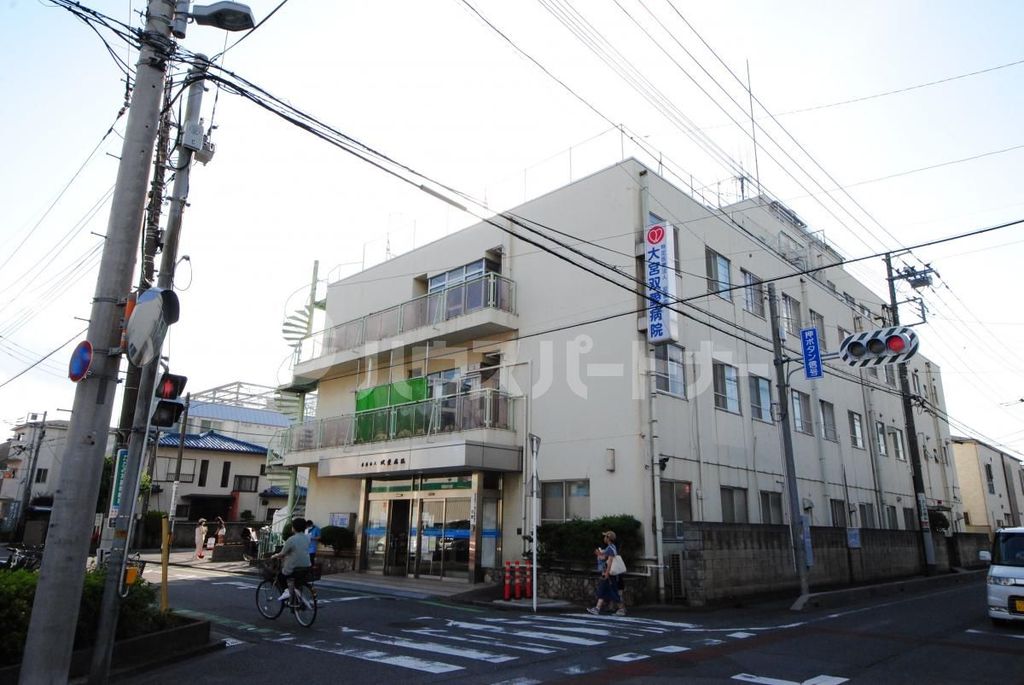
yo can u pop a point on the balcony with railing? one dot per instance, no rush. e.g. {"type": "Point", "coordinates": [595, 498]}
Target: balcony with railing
{"type": "Point", "coordinates": [474, 429]}
{"type": "Point", "coordinates": [478, 307]}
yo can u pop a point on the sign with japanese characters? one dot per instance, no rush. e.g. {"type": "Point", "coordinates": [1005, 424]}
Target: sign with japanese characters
{"type": "Point", "coordinates": [812, 353]}
{"type": "Point", "coordinates": [660, 276]}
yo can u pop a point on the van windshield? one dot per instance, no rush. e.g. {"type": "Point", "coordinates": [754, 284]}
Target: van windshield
{"type": "Point", "coordinates": [1008, 549]}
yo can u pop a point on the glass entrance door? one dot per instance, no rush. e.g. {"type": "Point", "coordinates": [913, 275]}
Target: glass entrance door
{"type": "Point", "coordinates": [444, 538]}
{"type": "Point", "coordinates": [376, 534]}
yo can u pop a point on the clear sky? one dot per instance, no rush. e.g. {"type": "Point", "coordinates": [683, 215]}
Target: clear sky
{"type": "Point", "coordinates": [432, 86]}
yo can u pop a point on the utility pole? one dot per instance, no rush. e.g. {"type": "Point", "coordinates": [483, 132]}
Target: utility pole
{"type": "Point", "coordinates": [26, 497]}
{"type": "Point", "coordinates": [51, 631]}
{"type": "Point", "coordinates": [796, 528]}
{"type": "Point", "coordinates": [104, 647]}
{"type": "Point", "coordinates": [927, 545]}
{"type": "Point", "coordinates": [182, 429]}
{"type": "Point", "coordinates": [149, 248]}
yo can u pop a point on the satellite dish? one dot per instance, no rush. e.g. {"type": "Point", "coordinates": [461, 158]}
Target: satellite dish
{"type": "Point", "coordinates": [155, 309]}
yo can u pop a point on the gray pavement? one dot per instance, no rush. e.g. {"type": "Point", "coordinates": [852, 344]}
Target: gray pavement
{"type": "Point", "coordinates": [460, 591]}
{"type": "Point", "coordinates": [409, 588]}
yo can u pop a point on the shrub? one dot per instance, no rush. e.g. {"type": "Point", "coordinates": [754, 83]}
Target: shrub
{"type": "Point", "coordinates": [338, 537]}
{"type": "Point", "coordinates": [571, 544]}
{"type": "Point", "coordinates": [138, 612]}
{"type": "Point", "coordinates": [151, 527]}
{"type": "Point", "coordinates": [247, 515]}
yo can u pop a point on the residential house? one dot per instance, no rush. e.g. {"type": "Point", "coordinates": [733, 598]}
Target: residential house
{"type": "Point", "coordinates": [992, 484]}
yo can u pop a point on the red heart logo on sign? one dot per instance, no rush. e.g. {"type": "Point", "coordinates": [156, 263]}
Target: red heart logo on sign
{"type": "Point", "coordinates": [655, 235]}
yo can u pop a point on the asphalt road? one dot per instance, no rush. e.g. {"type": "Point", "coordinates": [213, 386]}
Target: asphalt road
{"type": "Point", "coordinates": [937, 637]}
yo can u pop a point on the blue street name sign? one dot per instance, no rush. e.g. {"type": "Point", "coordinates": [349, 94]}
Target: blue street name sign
{"type": "Point", "coordinates": [812, 353]}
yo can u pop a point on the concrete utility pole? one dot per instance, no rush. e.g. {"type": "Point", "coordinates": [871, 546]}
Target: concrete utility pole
{"type": "Point", "coordinates": [927, 545]}
{"type": "Point", "coordinates": [182, 429]}
{"type": "Point", "coordinates": [795, 521]}
{"type": "Point", "coordinates": [104, 647]}
{"type": "Point", "coordinates": [26, 497]}
{"type": "Point", "coordinates": [51, 631]}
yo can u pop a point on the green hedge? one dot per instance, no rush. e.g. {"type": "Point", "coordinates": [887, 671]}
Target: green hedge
{"type": "Point", "coordinates": [571, 544]}
{"type": "Point", "coordinates": [139, 612]}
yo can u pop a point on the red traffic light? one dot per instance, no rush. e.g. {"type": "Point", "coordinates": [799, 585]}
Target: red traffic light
{"type": "Point", "coordinates": [170, 385]}
{"type": "Point", "coordinates": [895, 343]}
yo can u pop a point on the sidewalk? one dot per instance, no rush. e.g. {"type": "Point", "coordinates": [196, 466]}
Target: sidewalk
{"type": "Point", "coordinates": [394, 586]}
{"type": "Point", "coordinates": [484, 595]}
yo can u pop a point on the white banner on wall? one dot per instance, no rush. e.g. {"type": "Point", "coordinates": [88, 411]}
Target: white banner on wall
{"type": "Point", "coordinates": [660, 262]}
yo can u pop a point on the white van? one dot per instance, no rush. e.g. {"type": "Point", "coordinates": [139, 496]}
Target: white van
{"type": "Point", "coordinates": [1006, 576]}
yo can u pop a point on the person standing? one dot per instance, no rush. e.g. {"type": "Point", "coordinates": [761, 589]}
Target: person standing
{"type": "Point", "coordinates": [200, 538]}
{"type": "Point", "coordinates": [222, 531]}
{"type": "Point", "coordinates": [608, 586]}
{"type": "Point", "coordinates": [313, 531]}
{"type": "Point", "coordinates": [295, 556]}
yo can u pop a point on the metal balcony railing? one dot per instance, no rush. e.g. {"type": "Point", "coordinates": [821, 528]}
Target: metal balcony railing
{"type": "Point", "coordinates": [488, 291]}
{"type": "Point", "coordinates": [485, 408]}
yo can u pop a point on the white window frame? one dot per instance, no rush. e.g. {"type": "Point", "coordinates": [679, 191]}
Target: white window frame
{"type": "Point", "coordinates": [856, 429]}
{"type": "Point", "coordinates": [670, 371]}
{"type": "Point", "coordinates": [802, 421]}
{"type": "Point", "coordinates": [753, 294]}
{"type": "Point", "coordinates": [727, 387]}
{"type": "Point", "coordinates": [761, 399]}
{"type": "Point", "coordinates": [898, 447]}
{"type": "Point", "coordinates": [880, 442]}
{"type": "Point", "coordinates": [818, 322]}
{"type": "Point", "coordinates": [827, 414]}
{"type": "Point", "coordinates": [567, 511]}
{"type": "Point", "coordinates": [791, 318]}
{"type": "Point", "coordinates": [734, 496]}
{"type": "Point", "coordinates": [716, 264]}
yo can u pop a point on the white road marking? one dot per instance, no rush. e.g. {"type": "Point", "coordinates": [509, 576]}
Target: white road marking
{"type": "Point", "coordinates": [671, 649]}
{"type": "Point", "coordinates": [816, 680]}
{"type": "Point", "coordinates": [438, 648]}
{"type": "Point", "coordinates": [992, 632]}
{"type": "Point", "coordinates": [627, 657]}
{"type": "Point", "coordinates": [232, 642]}
{"type": "Point", "coordinates": [535, 634]}
{"type": "Point", "coordinates": [379, 657]}
{"type": "Point", "coordinates": [740, 635]}
{"type": "Point", "coordinates": [483, 640]}
{"type": "Point", "coordinates": [518, 681]}
{"type": "Point", "coordinates": [577, 670]}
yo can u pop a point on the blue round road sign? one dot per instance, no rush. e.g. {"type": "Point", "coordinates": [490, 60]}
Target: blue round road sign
{"type": "Point", "coordinates": [81, 361]}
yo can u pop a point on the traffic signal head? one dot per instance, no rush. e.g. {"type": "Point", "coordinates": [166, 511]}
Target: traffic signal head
{"type": "Point", "coordinates": [170, 385]}
{"type": "Point", "coordinates": [166, 413]}
{"type": "Point", "coordinates": [168, 407]}
{"type": "Point", "coordinates": [881, 346]}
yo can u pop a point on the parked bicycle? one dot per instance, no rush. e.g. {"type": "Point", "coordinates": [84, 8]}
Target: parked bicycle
{"type": "Point", "coordinates": [26, 557]}
{"type": "Point", "coordinates": [301, 600]}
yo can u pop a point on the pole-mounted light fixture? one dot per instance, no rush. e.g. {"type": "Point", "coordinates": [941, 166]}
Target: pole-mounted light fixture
{"type": "Point", "coordinates": [226, 15]}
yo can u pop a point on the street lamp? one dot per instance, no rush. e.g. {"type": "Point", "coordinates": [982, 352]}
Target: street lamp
{"type": "Point", "coordinates": [230, 16]}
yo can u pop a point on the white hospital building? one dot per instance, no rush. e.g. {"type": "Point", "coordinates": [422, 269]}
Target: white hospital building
{"type": "Point", "coordinates": [436, 366]}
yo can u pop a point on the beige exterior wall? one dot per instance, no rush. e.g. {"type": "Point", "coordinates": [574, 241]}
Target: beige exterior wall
{"type": "Point", "coordinates": [992, 502]}
{"type": "Point", "coordinates": [583, 381]}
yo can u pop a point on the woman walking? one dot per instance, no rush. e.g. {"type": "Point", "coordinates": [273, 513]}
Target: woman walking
{"type": "Point", "coordinates": [200, 538]}
{"type": "Point", "coordinates": [608, 587]}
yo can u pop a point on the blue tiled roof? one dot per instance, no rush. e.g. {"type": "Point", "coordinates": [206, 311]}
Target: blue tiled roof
{"type": "Point", "coordinates": [212, 441]}
{"type": "Point", "coordinates": [223, 412]}
{"type": "Point", "coordinates": [278, 491]}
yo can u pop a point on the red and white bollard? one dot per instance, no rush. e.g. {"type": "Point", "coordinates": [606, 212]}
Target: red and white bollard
{"type": "Point", "coordinates": [519, 581]}
{"type": "Point", "coordinates": [529, 580]}
{"type": "Point", "coordinates": [508, 580]}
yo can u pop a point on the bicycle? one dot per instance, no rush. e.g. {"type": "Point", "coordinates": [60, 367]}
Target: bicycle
{"type": "Point", "coordinates": [301, 602]}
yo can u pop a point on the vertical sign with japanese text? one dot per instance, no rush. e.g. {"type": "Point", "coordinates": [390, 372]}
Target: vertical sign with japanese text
{"type": "Point", "coordinates": [660, 277]}
{"type": "Point", "coordinates": [115, 497]}
{"type": "Point", "coordinates": [812, 353]}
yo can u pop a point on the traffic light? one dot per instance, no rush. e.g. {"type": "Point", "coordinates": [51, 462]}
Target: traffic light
{"type": "Point", "coordinates": [891, 345]}
{"type": "Point", "coordinates": [168, 406]}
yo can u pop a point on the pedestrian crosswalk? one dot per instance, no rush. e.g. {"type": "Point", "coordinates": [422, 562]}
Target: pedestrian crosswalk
{"type": "Point", "coordinates": [437, 645]}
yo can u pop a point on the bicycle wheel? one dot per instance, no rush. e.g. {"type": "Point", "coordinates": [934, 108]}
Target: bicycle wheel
{"type": "Point", "coordinates": [305, 610]}
{"type": "Point", "coordinates": [267, 599]}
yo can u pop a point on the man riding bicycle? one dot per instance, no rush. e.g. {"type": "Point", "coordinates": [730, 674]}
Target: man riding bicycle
{"type": "Point", "coordinates": [295, 556]}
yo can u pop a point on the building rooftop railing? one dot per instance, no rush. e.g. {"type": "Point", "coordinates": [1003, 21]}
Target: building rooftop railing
{"type": "Point", "coordinates": [485, 408]}
{"type": "Point", "coordinates": [488, 291]}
